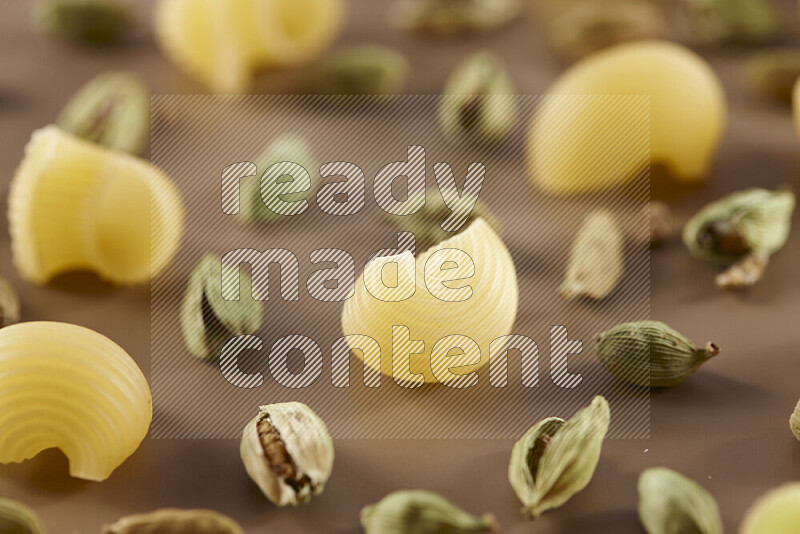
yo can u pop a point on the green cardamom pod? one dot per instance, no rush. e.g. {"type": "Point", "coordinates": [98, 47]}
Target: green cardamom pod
{"type": "Point", "coordinates": [720, 22]}
{"type": "Point", "coordinates": [772, 74]}
{"type": "Point", "coordinates": [89, 21]}
{"type": "Point", "coordinates": [794, 421]}
{"type": "Point", "coordinates": [596, 260]}
{"type": "Point", "coordinates": [650, 354]}
{"type": "Point", "coordinates": [741, 231]}
{"type": "Point", "coordinates": [556, 459]}
{"type": "Point", "coordinates": [453, 17]}
{"type": "Point", "coordinates": [576, 29]}
{"type": "Point", "coordinates": [360, 70]}
{"type": "Point", "coordinates": [9, 304]}
{"type": "Point", "coordinates": [112, 109]}
{"type": "Point", "coordinates": [421, 512]}
{"type": "Point", "coordinates": [278, 159]}
{"type": "Point", "coordinates": [208, 321]}
{"type": "Point", "coordinates": [175, 521]}
{"type": "Point", "coordinates": [777, 512]}
{"type": "Point", "coordinates": [16, 518]}
{"type": "Point", "coordinates": [478, 102]}
{"type": "Point", "coordinates": [426, 224]}
{"type": "Point", "coordinates": [670, 503]}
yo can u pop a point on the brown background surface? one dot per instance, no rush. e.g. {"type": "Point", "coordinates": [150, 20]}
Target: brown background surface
{"type": "Point", "coordinates": [726, 427]}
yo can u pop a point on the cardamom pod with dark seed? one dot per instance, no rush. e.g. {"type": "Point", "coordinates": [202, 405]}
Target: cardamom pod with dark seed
{"type": "Point", "coordinates": [208, 321]}
{"type": "Point", "coordinates": [112, 109]}
{"type": "Point", "coordinates": [360, 70]}
{"type": "Point", "coordinates": [421, 512]}
{"type": "Point", "coordinates": [650, 354]}
{"type": "Point", "coordinates": [9, 304]}
{"type": "Point", "coordinates": [556, 459]}
{"type": "Point", "coordinates": [175, 521]}
{"type": "Point", "coordinates": [17, 518]}
{"type": "Point", "coordinates": [670, 503]}
{"type": "Point", "coordinates": [772, 74]}
{"type": "Point", "coordinates": [89, 21]}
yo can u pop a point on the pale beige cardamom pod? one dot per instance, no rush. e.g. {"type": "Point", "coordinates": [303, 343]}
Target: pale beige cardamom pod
{"type": "Point", "coordinates": [287, 451]}
{"type": "Point", "coordinates": [670, 503]}
{"type": "Point", "coordinates": [175, 521]}
{"type": "Point", "coordinates": [17, 518]}
{"type": "Point", "coordinates": [421, 512]}
{"type": "Point", "coordinates": [9, 304]}
{"type": "Point", "coordinates": [556, 459]}
{"type": "Point", "coordinates": [596, 260]}
{"type": "Point", "coordinates": [794, 421]}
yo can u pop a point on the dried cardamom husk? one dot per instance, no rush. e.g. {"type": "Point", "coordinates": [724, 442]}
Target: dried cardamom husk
{"type": "Point", "coordinates": [426, 224]}
{"type": "Point", "coordinates": [208, 321]}
{"type": "Point", "coordinates": [360, 70]}
{"type": "Point", "coordinates": [88, 21]}
{"type": "Point", "coordinates": [777, 512]}
{"type": "Point", "coordinates": [650, 354]}
{"type": "Point", "coordinates": [421, 512]}
{"type": "Point", "coordinates": [670, 503]}
{"type": "Point", "coordinates": [9, 304]}
{"type": "Point", "coordinates": [596, 260]}
{"type": "Point", "coordinates": [287, 451]}
{"type": "Point", "coordinates": [794, 421]}
{"type": "Point", "coordinates": [578, 28]}
{"type": "Point", "coordinates": [741, 231]}
{"type": "Point", "coordinates": [279, 158]}
{"type": "Point", "coordinates": [478, 102]}
{"type": "Point", "coordinates": [772, 74]}
{"type": "Point", "coordinates": [556, 459]}
{"type": "Point", "coordinates": [453, 17]}
{"type": "Point", "coordinates": [17, 518]}
{"type": "Point", "coordinates": [721, 22]}
{"type": "Point", "coordinates": [175, 521]}
{"type": "Point", "coordinates": [112, 109]}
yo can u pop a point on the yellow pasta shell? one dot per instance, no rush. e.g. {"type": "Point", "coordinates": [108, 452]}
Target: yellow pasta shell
{"type": "Point", "coordinates": [487, 314]}
{"type": "Point", "coordinates": [223, 42]}
{"type": "Point", "coordinates": [69, 387]}
{"type": "Point", "coordinates": [76, 205]}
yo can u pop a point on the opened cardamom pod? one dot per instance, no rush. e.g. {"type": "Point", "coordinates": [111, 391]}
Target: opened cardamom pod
{"type": "Point", "coordinates": [596, 260]}
{"type": "Point", "coordinates": [478, 102]}
{"type": "Point", "coordinates": [112, 109]}
{"type": "Point", "coordinates": [175, 521]}
{"type": "Point", "coordinates": [264, 196]}
{"type": "Point", "coordinates": [720, 22]}
{"type": "Point", "coordinates": [777, 512]}
{"type": "Point", "coordinates": [452, 17]}
{"type": "Point", "coordinates": [9, 304]}
{"type": "Point", "coordinates": [556, 459]}
{"type": "Point", "coordinates": [670, 503]}
{"type": "Point", "coordinates": [772, 73]}
{"type": "Point", "coordinates": [650, 354]}
{"type": "Point", "coordinates": [17, 518]}
{"type": "Point", "coordinates": [287, 451]}
{"type": "Point", "coordinates": [421, 512]}
{"type": "Point", "coordinates": [794, 421]}
{"type": "Point", "coordinates": [208, 321]}
{"type": "Point", "coordinates": [360, 70]}
{"type": "Point", "coordinates": [741, 231]}
{"type": "Point", "coordinates": [89, 21]}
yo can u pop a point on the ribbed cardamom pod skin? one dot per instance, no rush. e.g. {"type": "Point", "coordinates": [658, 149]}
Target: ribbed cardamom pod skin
{"type": "Point", "coordinates": [454, 17]}
{"type": "Point", "coordinates": [742, 223]}
{"type": "Point", "coordinates": [777, 512]}
{"type": "Point", "coordinates": [175, 521]}
{"type": "Point", "coordinates": [556, 459]}
{"type": "Point", "coordinates": [670, 503]}
{"type": "Point", "coordinates": [287, 451]}
{"type": "Point", "coordinates": [17, 518]}
{"type": "Point", "coordinates": [88, 21]}
{"type": "Point", "coordinates": [478, 102]}
{"type": "Point", "coordinates": [112, 109]}
{"type": "Point", "coordinates": [278, 159]}
{"type": "Point", "coordinates": [794, 421]}
{"type": "Point", "coordinates": [596, 260]}
{"type": "Point", "coordinates": [359, 70]}
{"type": "Point", "coordinates": [9, 304]}
{"type": "Point", "coordinates": [421, 512]}
{"type": "Point", "coordinates": [650, 354]}
{"type": "Point", "coordinates": [207, 320]}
